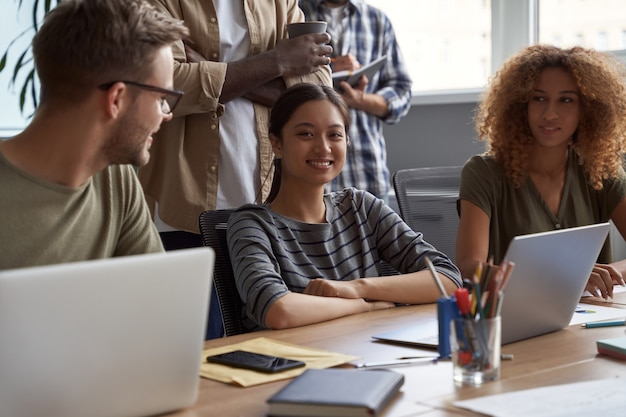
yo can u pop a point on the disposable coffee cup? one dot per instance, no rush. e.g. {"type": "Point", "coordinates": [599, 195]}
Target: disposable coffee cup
{"type": "Point", "coordinates": [303, 28]}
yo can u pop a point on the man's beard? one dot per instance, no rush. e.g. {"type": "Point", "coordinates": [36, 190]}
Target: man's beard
{"type": "Point", "coordinates": [127, 142]}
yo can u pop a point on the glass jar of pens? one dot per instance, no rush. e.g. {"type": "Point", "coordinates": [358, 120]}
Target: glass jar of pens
{"type": "Point", "coordinates": [474, 324]}
{"type": "Point", "coordinates": [475, 350]}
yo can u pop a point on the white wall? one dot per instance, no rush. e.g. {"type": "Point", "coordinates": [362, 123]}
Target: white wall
{"type": "Point", "coordinates": [432, 135]}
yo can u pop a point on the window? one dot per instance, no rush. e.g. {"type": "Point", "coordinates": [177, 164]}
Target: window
{"type": "Point", "coordinates": [449, 45]}
{"type": "Point", "coordinates": [598, 24]}
{"type": "Point", "coordinates": [11, 25]}
{"type": "Point", "coordinates": [446, 44]}
{"type": "Point", "coordinates": [458, 44]}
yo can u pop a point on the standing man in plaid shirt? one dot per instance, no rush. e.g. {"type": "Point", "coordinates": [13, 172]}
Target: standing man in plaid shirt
{"type": "Point", "coordinates": [361, 34]}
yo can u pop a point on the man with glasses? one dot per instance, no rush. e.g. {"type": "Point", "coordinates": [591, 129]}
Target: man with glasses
{"type": "Point", "coordinates": [169, 97]}
{"type": "Point", "coordinates": [67, 184]}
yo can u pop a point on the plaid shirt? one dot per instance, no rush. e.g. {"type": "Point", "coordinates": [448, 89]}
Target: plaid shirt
{"type": "Point", "coordinates": [368, 35]}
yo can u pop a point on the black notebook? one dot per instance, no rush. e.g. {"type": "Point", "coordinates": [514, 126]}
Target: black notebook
{"type": "Point", "coordinates": [337, 393]}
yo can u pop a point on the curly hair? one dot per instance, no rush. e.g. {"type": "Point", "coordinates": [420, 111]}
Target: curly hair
{"type": "Point", "coordinates": [502, 116]}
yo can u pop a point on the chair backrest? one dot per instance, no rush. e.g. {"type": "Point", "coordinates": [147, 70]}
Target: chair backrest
{"type": "Point", "coordinates": [213, 230]}
{"type": "Point", "coordinates": [427, 202]}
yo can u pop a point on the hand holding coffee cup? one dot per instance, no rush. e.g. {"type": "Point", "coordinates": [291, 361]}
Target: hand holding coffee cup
{"type": "Point", "coordinates": [303, 28]}
{"type": "Point", "coordinates": [303, 54]}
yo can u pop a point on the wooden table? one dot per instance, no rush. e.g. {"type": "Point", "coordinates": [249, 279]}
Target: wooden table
{"type": "Point", "coordinates": [565, 356]}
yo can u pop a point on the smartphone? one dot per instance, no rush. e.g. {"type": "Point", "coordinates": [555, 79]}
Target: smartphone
{"type": "Point", "coordinates": [255, 361]}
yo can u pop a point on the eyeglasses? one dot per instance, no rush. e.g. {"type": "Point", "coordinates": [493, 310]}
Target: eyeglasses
{"type": "Point", "coordinates": [168, 101]}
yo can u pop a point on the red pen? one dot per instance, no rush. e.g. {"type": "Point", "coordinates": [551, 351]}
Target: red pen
{"type": "Point", "coordinates": [463, 301]}
{"type": "Point", "coordinates": [469, 347]}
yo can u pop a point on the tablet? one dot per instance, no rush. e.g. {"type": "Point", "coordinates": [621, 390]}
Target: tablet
{"type": "Point", "coordinates": [353, 77]}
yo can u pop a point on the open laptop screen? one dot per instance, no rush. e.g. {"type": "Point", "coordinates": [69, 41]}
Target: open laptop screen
{"type": "Point", "coordinates": [112, 338]}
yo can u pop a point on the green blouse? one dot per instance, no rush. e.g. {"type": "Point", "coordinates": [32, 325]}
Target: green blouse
{"type": "Point", "coordinates": [518, 211]}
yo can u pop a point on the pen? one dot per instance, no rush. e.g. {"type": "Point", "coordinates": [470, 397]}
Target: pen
{"type": "Point", "coordinates": [503, 356]}
{"type": "Point", "coordinates": [399, 362]}
{"type": "Point", "coordinates": [433, 272]}
{"type": "Point", "coordinates": [463, 301]}
{"type": "Point", "coordinates": [604, 324]}
{"type": "Point", "coordinates": [418, 357]}
{"type": "Point", "coordinates": [466, 332]}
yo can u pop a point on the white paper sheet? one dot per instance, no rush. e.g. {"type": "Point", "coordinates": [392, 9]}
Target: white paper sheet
{"type": "Point", "coordinates": [605, 397]}
{"type": "Point", "coordinates": [586, 313]}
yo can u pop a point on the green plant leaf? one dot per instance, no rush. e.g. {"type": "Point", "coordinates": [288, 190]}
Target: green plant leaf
{"type": "Point", "coordinates": [33, 88]}
{"type": "Point", "coordinates": [23, 95]}
{"type": "Point", "coordinates": [35, 20]}
{"type": "Point", "coordinates": [29, 82]}
{"type": "Point", "coordinates": [6, 53]}
{"type": "Point", "coordinates": [25, 59]}
{"type": "Point", "coordinates": [20, 63]}
{"type": "Point", "coordinates": [3, 61]}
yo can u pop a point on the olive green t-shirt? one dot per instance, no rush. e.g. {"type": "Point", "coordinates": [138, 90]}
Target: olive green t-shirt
{"type": "Point", "coordinates": [520, 211]}
{"type": "Point", "coordinates": [46, 223]}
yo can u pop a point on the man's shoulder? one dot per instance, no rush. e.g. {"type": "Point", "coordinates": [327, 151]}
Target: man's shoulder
{"type": "Point", "coordinates": [119, 174]}
{"type": "Point", "coordinates": [121, 170]}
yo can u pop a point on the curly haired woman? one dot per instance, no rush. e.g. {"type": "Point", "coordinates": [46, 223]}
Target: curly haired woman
{"type": "Point", "coordinates": [555, 124]}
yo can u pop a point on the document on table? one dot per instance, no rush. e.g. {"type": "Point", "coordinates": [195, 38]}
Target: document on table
{"type": "Point", "coordinates": [314, 358]}
{"type": "Point", "coordinates": [586, 313]}
{"type": "Point", "coordinates": [604, 398]}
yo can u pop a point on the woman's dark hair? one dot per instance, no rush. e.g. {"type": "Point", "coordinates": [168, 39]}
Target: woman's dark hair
{"type": "Point", "coordinates": [284, 108]}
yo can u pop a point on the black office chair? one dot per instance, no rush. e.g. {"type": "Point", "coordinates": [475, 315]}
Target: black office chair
{"type": "Point", "coordinates": [427, 202]}
{"type": "Point", "coordinates": [213, 230]}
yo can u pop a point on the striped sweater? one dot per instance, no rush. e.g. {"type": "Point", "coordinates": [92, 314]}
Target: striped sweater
{"type": "Point", "coordinates": [273, 254]}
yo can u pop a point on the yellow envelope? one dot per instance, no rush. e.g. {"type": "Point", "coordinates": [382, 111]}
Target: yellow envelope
{"type": "Point", "coordinates": [314, 358]}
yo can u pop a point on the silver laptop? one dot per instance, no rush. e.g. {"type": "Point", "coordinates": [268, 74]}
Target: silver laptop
{"type": "Point", "coordinates": [551, 271]}
{"type": "Point", "coordinates": [114, 338]}
{"type": "Point", "coordinates": [550, 274]}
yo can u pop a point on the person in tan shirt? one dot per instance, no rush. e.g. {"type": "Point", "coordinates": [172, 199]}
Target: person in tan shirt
{"type": "Point", "coordinates": [215, 153]}
{"type": "Point", "coordinates": [188, 161]}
